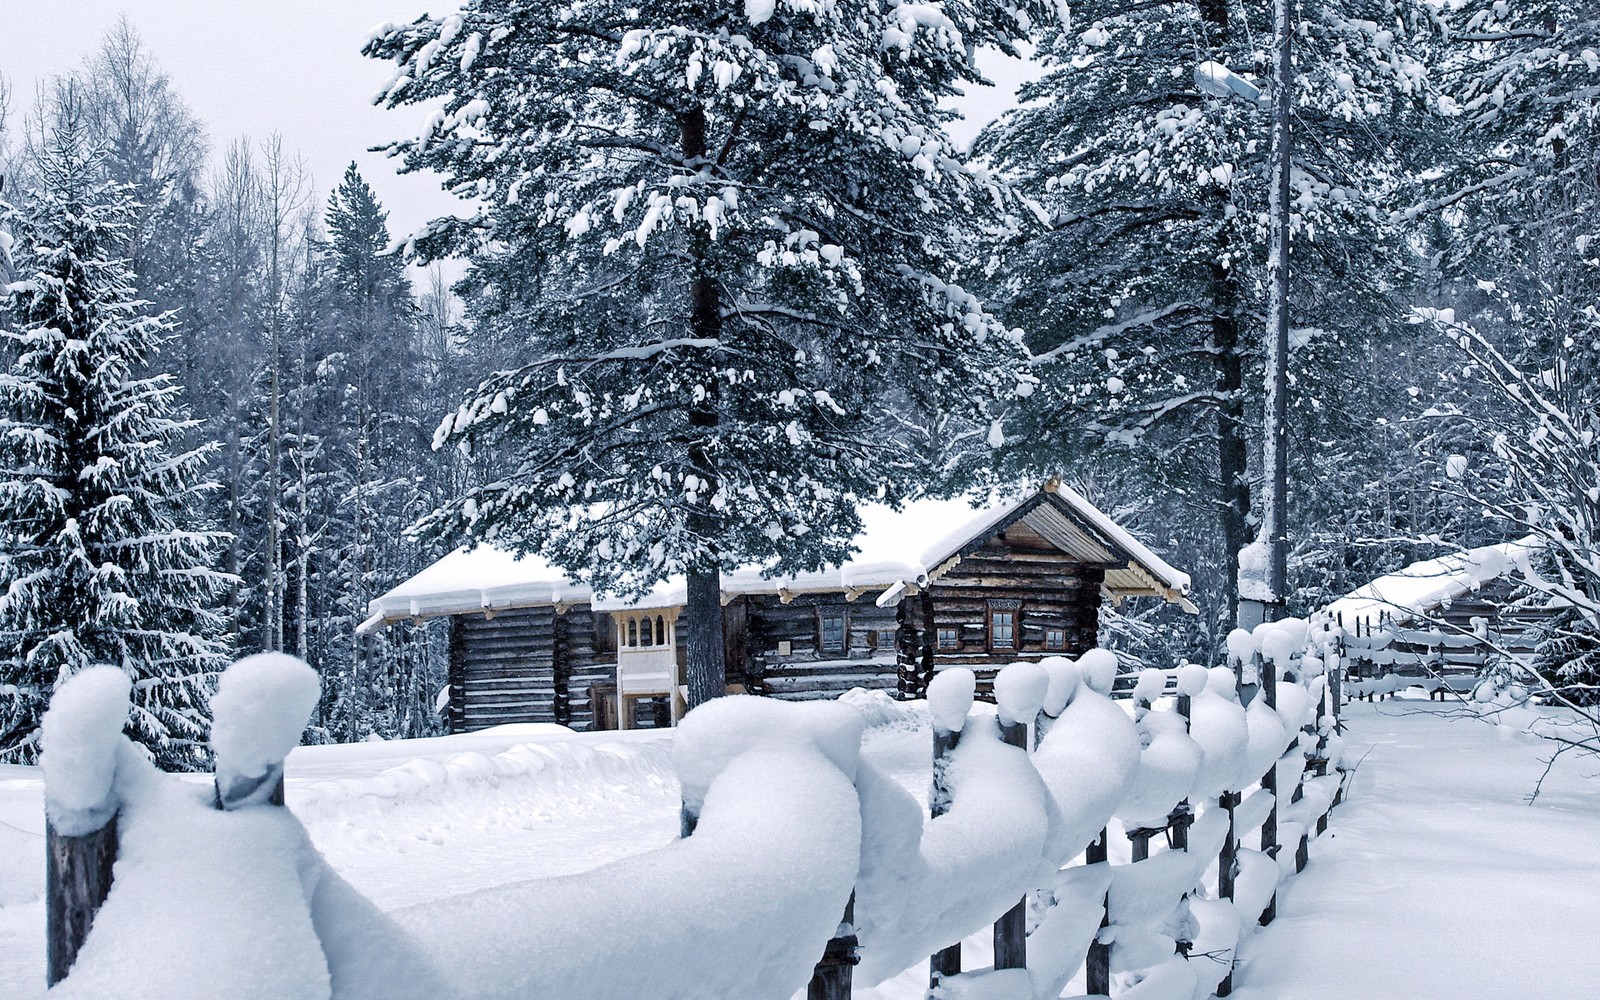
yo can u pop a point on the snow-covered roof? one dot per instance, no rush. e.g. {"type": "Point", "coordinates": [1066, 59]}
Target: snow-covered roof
{"type": "Point", "coordinates": [1425, 585]}
{"type": "Point", "coordinates": [894, 556]}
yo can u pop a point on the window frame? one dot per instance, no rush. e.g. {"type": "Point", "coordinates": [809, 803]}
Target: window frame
{"type": "Point", "coordinates": [1055, 638]}
{"type": "Point", "coordinates": [954, 634]}
{"type": "Point", "coordinates": [1012, 608]}
{"type": "Point", "coordinates": [823, 615]}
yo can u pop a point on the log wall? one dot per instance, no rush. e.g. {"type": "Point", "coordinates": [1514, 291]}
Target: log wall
{"type": "Point", "coordinates": [526, 665]}
{"type": "Point", "coordinates": [1051, 592]}
{"type": "Point", "coordinates": [534, 665]}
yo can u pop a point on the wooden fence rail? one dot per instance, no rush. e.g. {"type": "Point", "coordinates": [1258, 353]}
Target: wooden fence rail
{"type": "Point", "coordinates": [80, 859]}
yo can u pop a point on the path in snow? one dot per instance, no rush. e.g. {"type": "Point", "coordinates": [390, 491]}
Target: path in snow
{"type": "Point", "coordinates": [1438, 880]}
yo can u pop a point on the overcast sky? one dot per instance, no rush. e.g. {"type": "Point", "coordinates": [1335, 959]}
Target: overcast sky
{"type": "Point", "coordinates": [249, 67]}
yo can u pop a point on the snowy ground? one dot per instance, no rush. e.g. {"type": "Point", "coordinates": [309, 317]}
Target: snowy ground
{"type": "Point", "coordinates": [1439, 879]}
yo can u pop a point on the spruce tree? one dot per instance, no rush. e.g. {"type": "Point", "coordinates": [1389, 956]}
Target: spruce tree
{"type": "Point", "coordinates": [1145, 300]}
{"type": "Point", "coordinates": [723, 240]}
{"type": "Point", "coordinates": [102, 556]}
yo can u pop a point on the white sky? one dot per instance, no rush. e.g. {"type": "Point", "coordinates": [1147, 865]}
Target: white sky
{"type": "Point", "coordinates": [249, 67]}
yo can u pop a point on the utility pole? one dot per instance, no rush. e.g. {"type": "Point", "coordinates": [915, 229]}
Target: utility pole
{"type": "Point", "coordinates": [1275, 479]}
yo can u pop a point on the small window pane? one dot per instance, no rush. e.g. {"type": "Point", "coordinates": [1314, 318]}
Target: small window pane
{"type": "Point", "coordinates": [1003, 629]}
{"type": "Point", "coordinates": [1055, 638]}
{"type": "Point", "coordinates": [949, 638]}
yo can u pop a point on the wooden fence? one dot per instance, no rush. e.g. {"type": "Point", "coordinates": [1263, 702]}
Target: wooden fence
{"type": "Point", "coordinates": [1122, 906]}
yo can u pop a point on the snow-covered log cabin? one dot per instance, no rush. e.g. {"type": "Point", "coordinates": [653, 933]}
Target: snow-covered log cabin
{"type": "Point", "coordinates": [936, 583]}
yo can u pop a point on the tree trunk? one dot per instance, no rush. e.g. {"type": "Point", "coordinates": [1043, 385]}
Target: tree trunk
{"type": "Point", "coordinates": [706, 659]}
{"type": "Point", "coordinates": [1233, 462]}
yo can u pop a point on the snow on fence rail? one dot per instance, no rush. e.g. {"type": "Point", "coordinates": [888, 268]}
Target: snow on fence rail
{"type": "Point", "coordinates": [802, 865]}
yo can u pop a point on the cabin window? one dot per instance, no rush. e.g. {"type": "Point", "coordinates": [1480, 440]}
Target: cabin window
{"type": "Point", "coordinates": [949, 638]}
{"type": "Point", "coordinates": [633, 632]}
{"type": "Point", "coordinates": [644, 633]}
{"type": "Point", "coordinates": [1003, 625]}
{"type": "Point", "coordinates": [831, 631]}
{"type": "Point", "coordinates": [885, 638]}
{"type": "Point", "coordinates": [605, 633]}
{"type": "Point", "coordinates": [661, 631]}
{"type": "Point", "coordinates": [1055, 638]}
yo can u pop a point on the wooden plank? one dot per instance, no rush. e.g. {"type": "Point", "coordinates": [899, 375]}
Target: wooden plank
{"type": "Point", "coordinates": [77, 881]}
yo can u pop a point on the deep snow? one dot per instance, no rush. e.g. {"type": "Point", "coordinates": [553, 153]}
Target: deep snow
{"type": "Point", "coordinates": [1438, 879]}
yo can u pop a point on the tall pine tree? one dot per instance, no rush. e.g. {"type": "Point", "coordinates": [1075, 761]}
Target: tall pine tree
{"type": "Point", "coordinates": [101, 559]}
{"type": "Point", "coordinates": [1145, 301]}
{"type": "Point", "coordinates": [725, 240]}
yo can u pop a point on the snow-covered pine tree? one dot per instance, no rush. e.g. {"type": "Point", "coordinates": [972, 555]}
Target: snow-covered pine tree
{"type": "Point", "coordinates": [1518, 196]}
{"type": "Point", "coordinates": [101, 556]}
{"type": "Point", "coordinates": [358, 455]}
{"type": "Point", "coordinates": [1146, 299]}
{"type": "Point", "coordinates": [721, 235]}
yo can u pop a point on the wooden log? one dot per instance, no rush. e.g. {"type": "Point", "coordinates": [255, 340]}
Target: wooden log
{"type": "Point", "coordinates": [945, 961]}
{"type": "Point", "coordinates": [831, 979]}
{"type": "Point", "coordinates": [929, 639]}
{"type": "Point", "coordinates": [1268, 675]}
{"type": "Point", "coordinates": [77, 880]}
{"type": "Point", "coordinates": [457, 720]}
{"type": "Point", "coordinates": [1011, 930]}
{"type": "Point", "coordinates": [1097, 964]}
{"type": "Point", "coordinates": [1140, 841]}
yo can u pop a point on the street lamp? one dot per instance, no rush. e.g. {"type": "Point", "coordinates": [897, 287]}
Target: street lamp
{"type": "Point", "coordinates": [1219, 81]}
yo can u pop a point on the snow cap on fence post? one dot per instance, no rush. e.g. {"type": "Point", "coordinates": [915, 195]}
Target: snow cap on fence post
{"type": "Point", "coordinates": [1149, 687]}
{"type": "Point", "coordinates": [950, 695]}
{"type": "Point", "coordinates": [1192, 679]}
{"type": "Point", "coordinates": [1241, 645]}
{"type": "Point", "coordinates": [82, 735]}
{"type": "Point", "coordinates": [1099, 670]}
{"type": "Point", "coordinates": [1064, 680]}
{"type": "Point", "coordinates": [261, 707]}
{"type": "Point", "coordinates": [1019, 691]}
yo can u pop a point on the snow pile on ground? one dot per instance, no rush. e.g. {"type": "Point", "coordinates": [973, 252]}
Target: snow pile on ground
{"type": "Point", "coordinates": [880, 709]}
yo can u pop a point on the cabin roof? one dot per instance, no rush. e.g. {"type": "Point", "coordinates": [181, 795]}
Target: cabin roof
{"type": "Point", "coordinates": [894, 556]}
{"type": "Point", "coordinates": [1429, 583]}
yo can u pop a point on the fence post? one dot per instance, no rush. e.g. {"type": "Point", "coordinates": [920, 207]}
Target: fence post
{"type": "Point", "coordinates": [950, 695]}
{"type": "Point", "coordinates": [946, 961]}
{"type": "Point", "coordinates": [1011, 930]}
{"type": "Point", "coordinates": [1228, 859]}
{"type": "Point", "coordinates": [1097, 965]}
{"type": "Point", "coordinates": [1019, 694]}
{"type": "Point", "coordinates": [77, 880]}
{"type": "Point", "coordinates": [1268, 672]}
{"type": "Point", "coordinates": [82, 739]}
{"type": "Point", "coordinates": [831, 979]}
{"type": "Point", "coordinates": [1182, 815]}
